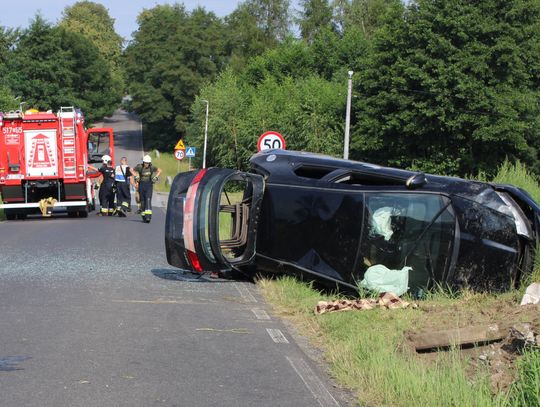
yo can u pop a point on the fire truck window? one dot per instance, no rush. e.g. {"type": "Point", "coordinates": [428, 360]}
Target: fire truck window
{"type": "Point", "coordinates": [98, 146]}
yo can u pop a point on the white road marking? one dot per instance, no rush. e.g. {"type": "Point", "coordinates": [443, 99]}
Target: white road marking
{"type": "Point", "coordinates": [245, 293]}
{"type": "Point", "coordinates": [260, 313]}
{"type": "Point", "coordinates": [276, 335]}
{"type": "Point", "coordinates": [312, 382]}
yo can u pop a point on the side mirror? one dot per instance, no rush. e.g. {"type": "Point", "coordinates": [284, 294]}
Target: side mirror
{"type": "Point", "coordinates": [416, 181]}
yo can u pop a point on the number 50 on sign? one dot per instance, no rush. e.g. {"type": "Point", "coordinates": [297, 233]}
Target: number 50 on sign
{"type": "Point", "coordinates": [271, 140]}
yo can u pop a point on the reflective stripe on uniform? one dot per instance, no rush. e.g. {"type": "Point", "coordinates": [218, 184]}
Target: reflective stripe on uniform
{"type": "Point", "coordinates": [125, 204]}
{"type": "Point", "coordinates": [104, 210]}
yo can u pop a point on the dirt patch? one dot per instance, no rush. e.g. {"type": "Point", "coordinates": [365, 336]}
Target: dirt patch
{"type": "Point", "coordinates": [496, 357]}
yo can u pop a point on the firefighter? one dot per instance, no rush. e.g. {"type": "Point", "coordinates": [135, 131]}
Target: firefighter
{"type": "Point", "coordinates": [106, 187]}
{"type": "Point", "coordinates": [146, 175]}
{"type": "Point", "coordinates": [123, 180]}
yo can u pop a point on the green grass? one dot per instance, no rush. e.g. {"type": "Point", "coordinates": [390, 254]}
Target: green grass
{"type": "Point", "coordinates": [526, 390]}
{"type": "Point", "coordinates": [518, 175]}
{"type": "Point", "coordinates": [169, 167]}
{"type": "Point", "coordinates": [366, 353]}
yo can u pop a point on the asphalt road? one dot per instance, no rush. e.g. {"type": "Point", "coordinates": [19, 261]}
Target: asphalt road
{"type": "Point", "coordinates": [92, 315]}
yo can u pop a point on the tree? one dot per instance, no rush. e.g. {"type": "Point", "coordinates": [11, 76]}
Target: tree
{"type": "Point", "coordinates": [92, 20]}
{"type": "Point", "coordinates": [245, 39]}
{"type": "Point", "coordinates": [452, 87]}
{"type": "Point", "coordinates": [173, 53]}
{"type": "Point", "coordinates": [316, 15]}
{"type": "Point", "coordinates": [51, 67]}
{"type": "Point", "coordinates": [363, 15]}
{"type": "Point", "coordinates": [272, 16]}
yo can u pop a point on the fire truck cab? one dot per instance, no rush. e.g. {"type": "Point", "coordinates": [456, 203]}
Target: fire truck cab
{"type": "Point", "coordinates": [48, 157]}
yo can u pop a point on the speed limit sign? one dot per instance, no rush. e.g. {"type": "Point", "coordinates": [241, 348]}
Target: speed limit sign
{"type": "Point", "coordinates": [179, 154]}
{"type": "Point", "coordinates": [271, 140]}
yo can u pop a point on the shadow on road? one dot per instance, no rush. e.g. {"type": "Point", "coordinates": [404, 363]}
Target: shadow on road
{"type": "Point", "coordinates": [186, 275]}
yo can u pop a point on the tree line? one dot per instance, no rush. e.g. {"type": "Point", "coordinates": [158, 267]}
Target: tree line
{"type": "Point", "coordinates": [441, 86]}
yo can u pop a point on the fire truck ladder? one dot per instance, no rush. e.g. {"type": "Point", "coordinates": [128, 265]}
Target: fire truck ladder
{"type": "Point", "coordinates": [68, 123]}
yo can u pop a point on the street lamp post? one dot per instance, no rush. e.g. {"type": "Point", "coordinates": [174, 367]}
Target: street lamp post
{"type": "Point", "coordinates": [205, 133]}
{"type": "Point", "coordinates": [348, 119]}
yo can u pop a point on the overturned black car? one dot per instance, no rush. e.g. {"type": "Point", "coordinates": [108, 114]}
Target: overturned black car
{"type": "Point", "coordinates": [331, 220]}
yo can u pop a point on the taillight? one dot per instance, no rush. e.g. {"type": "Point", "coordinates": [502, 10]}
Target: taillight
{"type": "Point", "coordinates": [199, 176]}
{"type": "Point", "coordinates": [194, 260]}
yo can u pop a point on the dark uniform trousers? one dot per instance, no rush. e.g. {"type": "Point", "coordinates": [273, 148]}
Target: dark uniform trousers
{"type": "Point", "coordinates": [106, 197]}
{"type": "Point", "coordinates": [145, 191]}
{"type": "Point", "coordinates": [123, 195]}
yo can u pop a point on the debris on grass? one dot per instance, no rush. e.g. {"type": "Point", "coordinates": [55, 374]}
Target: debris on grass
{"type": "Point", "coordinates": [532, 294]}
{"type": "Point", "coordinates": [385, 300]}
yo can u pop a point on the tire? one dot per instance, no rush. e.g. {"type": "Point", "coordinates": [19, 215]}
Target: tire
{"type": "Point", "coordinates": [22, 216]}
{"type": "Point", "coordinates": [526, 265]}
{"type": "Point", "coordinates": [11, 216]}
{"type": "Point", "coordinates": [72, 214]}
{"type": "Point", "coordinates": [83, 213]}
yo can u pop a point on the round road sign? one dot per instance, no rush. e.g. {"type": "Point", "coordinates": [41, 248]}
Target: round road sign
{"type": "Point", "coordinates": [179, 154]}
{"type": "Point", "coordinates": [271, 140]}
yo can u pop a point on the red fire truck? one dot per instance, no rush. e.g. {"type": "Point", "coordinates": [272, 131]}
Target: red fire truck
{"type": "Point", "coordinates": [46, 156]}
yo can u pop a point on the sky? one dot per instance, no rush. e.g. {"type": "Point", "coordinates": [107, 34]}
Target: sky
{"type": "Point", "coordinates": [19, 13]}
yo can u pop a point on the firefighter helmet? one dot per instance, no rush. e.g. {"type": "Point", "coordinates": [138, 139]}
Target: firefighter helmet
{"type": "Point", "coordinates": [106, 158]}
{"type": "Point", "coordinates": [147, 159]}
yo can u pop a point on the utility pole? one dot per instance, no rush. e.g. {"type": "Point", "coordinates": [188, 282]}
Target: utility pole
{"type": "Point", "coordinates": [348, 119]}
{"type": "Point", "coordinates": [205, 133]}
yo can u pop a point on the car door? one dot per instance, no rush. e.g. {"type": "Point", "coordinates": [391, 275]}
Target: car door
{"type": "Point", "coordinates": [218, 212]}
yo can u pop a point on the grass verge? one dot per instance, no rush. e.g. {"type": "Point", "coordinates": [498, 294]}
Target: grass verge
{"type": "Point", "coordinates": [170, 166]}
{"type": "Point", "coordinates": [366, 351]}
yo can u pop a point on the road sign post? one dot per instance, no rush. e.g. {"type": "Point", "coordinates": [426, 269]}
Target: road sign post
{"type": "Point", "coordinates": [271, 140]}
{"type": "Point", "coordinates": [190, 152]}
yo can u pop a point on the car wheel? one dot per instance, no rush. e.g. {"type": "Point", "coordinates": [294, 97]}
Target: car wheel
{"type": "Point", "coordinates": [526, 265]}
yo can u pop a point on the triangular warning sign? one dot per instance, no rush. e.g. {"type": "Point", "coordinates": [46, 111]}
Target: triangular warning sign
{"type": "Point", "coordinates": [180, 145]}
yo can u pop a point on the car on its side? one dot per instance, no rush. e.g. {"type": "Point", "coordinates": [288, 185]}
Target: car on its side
{"type": "Point", "coordinates": [329, 220]}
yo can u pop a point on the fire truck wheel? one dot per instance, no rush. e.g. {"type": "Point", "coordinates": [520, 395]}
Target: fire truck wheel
{"type": "Point", "coordinates": [72, 214]}
{"type": "Point", "coordinates": [21, 216]}
{"type": "Point", "coordinates": [11, 216]}
{"type": "Point", "coordinates": [83, 213]}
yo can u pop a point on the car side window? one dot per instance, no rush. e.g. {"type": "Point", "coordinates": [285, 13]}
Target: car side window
{"type": "Point", "coordinates": [408, 229]}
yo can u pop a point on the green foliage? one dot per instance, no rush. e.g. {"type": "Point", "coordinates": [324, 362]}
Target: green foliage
{"type": "Point", "coordinates": [365, 15]}
{"type": "Point", "coordinates": [51, 67]}
{"type": "Point", "coordinates": [305, 110]}
{"type": "Point", "coordinates": [526, 390]}
{"type": "Point", "coordinates": [452, 87]}
{"type": "Point", "coordinates": [316, 15]}
{"type": "Point", "coordinates": [7, 101]}
{"type": "Point", "coordinates": [92, 20]}
{"type": "Point", "coordinates": [272, 17]}
{"type": "Point", "coordinates": [173, 53]}
{"type": "Point", "coordinates": [245, 38]}
{"type": "Point", "coordinates": [518, 175]}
